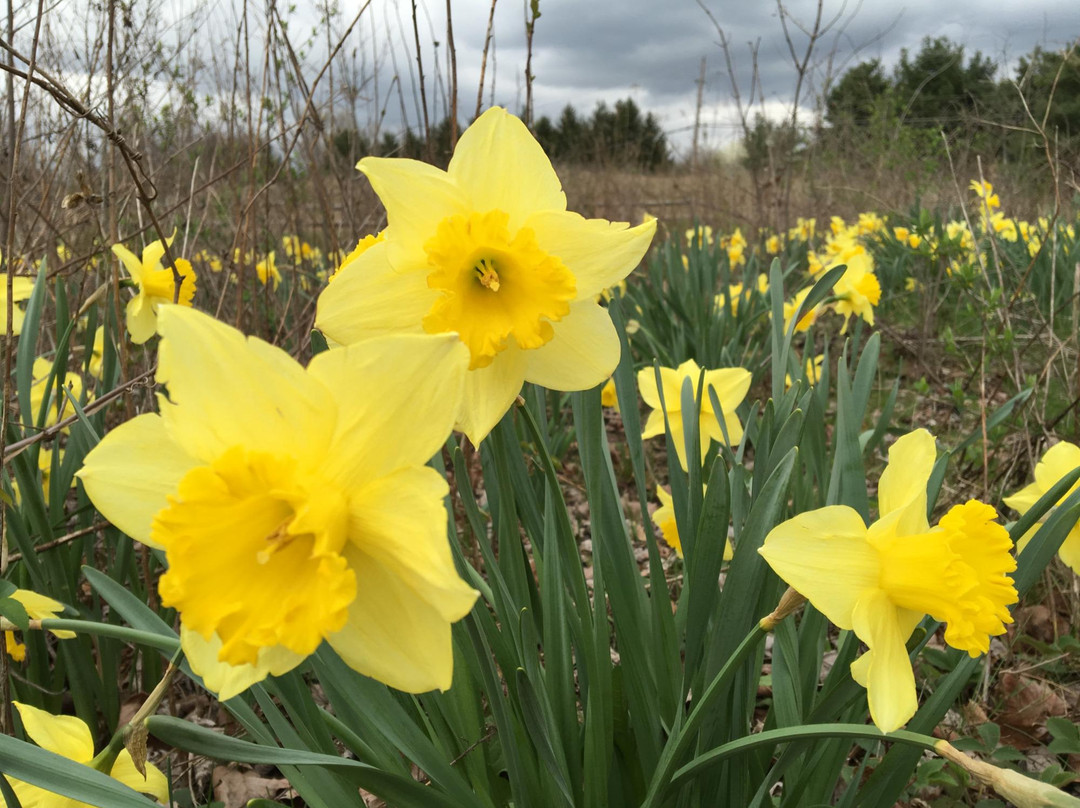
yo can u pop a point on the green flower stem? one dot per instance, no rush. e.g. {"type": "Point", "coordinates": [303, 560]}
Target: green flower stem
{"type": "Point", "coordinates": [162, 642]}
{"type": "Point", "coordinates": [684, 735]}
{"type": "Point", "coordinates": [773, 737]}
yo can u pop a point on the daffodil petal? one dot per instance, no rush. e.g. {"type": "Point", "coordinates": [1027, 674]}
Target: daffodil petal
{"type": "Point", "coordinates": [1059, 460]}
{"type": "Point", "coordinates": [1070, 550]}
{"type": "Point", "coordinates": [40, 607]}
{"type": "Point", "coordinates": [671, 380]}
{"type": "Point", "coordinates": [417, 196]}
{"type": "Point", "coordinates": [1025, 498]}
{"type": "Point", "coordinates": [226, 390]}
{"type": "Point", "coordinates": [489, 393]}
{"type": "Point", "coordinates": [399, 521]}
{"type": "Point", "coordinates": [227, 680]}
{"type": "Point", "coordinates": [63, 735]}
{"type": "Point", "coordinates": [582, 354]}
{"type": "Point", "coordinates": [370, 298]}
{"type": "Point", "coordinates": [392, 635]}
{"type": "Point", "coordinates": [824, 556]}
{"type": "Point", "coordinates": [154, 783]}
{"type": "Point", "coordinates": [730, 384]}
{"type": "Point", "coordinates": [397, 400]}
{"type": "Point", "coordinates": [140, 318]}
{"type": "Point", "coordinates": [597, 252]}
{"type": "Point", "coordinates": [129, 474]}
{"type": "Point", "coordinates": [499, 165]}
{"type": "Point", "coordinates": [654, 424]}
{"type": "Point", "coordinates": [131, 263]}
{"type": "Point", "coordinates": [911, 460]}
{"type": "Point", "coordinates": [890, 681]}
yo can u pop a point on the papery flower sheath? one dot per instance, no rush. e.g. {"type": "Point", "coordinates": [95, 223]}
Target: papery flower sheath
{"type": "Point", "coordinates": [879, 581]}
{"type": "Point", "coordinates": [487, 250]}
{"type": "Point", "coordinates": [69, 737]}
{"type": "Point", "coordinates": [293, 504]}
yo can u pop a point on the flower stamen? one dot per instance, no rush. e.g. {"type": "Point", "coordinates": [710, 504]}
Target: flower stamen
{"type": "Point", "coordinates": [485, 271]}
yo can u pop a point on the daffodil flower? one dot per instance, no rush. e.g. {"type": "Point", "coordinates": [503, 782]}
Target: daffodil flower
{"type": "Point", "coordinates": [267, 271]}
{"type": "Point", "coordinates": [488, 251]}
{"type": "Point", "coordinates": [69, 737]}
{"type": "Point", "coordinates": [1059, 460]}
{"type": "Point", "coordinates": [879, 581]}
{"type": "Point", "coordinates": [21, 289]}
{"type": "Point", "coordinates": [730, 385]}
{"type": "Point", "coordinates": [156, 284]}
{"type": "Point", "coordinates": [38, 607]}
{"type": "Point", "coordinates": [294, 505]}
{"type": "Point", "coordinates": [664, 518]}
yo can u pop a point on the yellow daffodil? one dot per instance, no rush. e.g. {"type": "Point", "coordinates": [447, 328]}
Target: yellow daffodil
{"type": "Point", "coordinates": [1059, 460]}
{"type": "Point", "coordinates": [156, 287]}
{"type": "Point", "coordinates": [813, 369]}
{"type": "Point", "coordinates": [69, 737]}
{"type": "Point", "coordinates": [488, 251]}
{"type": "Point", "coordinates": [773, 245]}
{"type": "Point", "coordinates": [857, 292]}
{"type": "Point", "coordinates": [701, 235]}
{"type": "Point", "coordinates": [608, 396]}
{"type": "Point", "coordinates": [41, 388]}
{"type": "Point", "coordinates": [879, 581]}
{"type": "Point", "coordinates": [97, 353]}
{"type": "Point", "coordinates": [38, 607]}
{"type": "Point", "coordinates": [362, 246]}
{"type": "Point", "coordinates": [730, 385]}
{"type": "Point", "coordinates": [985, 192]}
{"type": "Point", "coordinates": [293, 504]}
{"type": "Point", "coordinates": [664, 518]}
{"type": "Point", "coordinates": [267, 270]}
{"type": "Point", "coordinates": [808, 318]}
{"type": "Point", "coordinates": [21, 289]}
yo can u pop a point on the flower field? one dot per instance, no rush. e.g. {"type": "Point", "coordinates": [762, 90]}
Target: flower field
{"type": "Point", "coordinates": [499, 504]}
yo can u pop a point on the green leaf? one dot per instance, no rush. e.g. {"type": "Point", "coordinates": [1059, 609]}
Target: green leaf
{"type": "Point", "coordinates": [58, 774]}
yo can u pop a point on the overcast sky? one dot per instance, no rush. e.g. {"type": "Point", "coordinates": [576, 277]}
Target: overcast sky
{"type": "Point", "coordinates": [586, 51]}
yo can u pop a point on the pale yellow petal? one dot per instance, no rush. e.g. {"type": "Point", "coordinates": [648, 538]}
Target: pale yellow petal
{"type": "Point", "coordinates": [397, 400]}
{"type": "Point", "coordinates": [417, 196]}
{"type": "Point", "coordinates": [731, 386]}
{"type": "Point", "coordinates": [131, 263]}
{"type": "Point", "coordinates": [911, 460]}
{"type": "Point", "coordinates": [489, 393]}
{"type": "Point", "coordinates": [597, 252]}
{"type": "Point", "coordinates": [227, 390]}
{"type": "Point", "coordinates": [393, 635]}
{"type": "Point", "coordinates": [824, 556]}
{"type": "Point", "coordinates": [890, 681]}
{"type": "Point", "coordinates": [1025, 498]}
{"type": "Point", "coordinates": [154, 783]}
{"type": "Point", "coordinates": [227, 680]}
{"type": "Point", "coordinates": [399, 521]}
{"type": "Point", "coordinates": [129, 474]}
{"type": "Point", "coordinates": [141, 319]}
{"type": "Point", "coordinates": [1059, 460]}
{"type": "Point", "coordinates": [1070, 550]}
{"type": "Point", "coordinates": [154, 251]}
{"type": "Point", "coordinates": [40, 607]}
{"type": "Point", "coordinates": [499, 166]}
{"type": "Point", "coordinates": [369, 298]}
{"type": "Point", "coordinates": [654, 424]}
{"type": "Point", "coordinates": [63, 735]}
{"type": "Point", "coordinates": [671, 380]}
{"type": "Point", "coordinates": [582, 354]}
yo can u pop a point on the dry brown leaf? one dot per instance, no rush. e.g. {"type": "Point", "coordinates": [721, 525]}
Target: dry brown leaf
{"type": "Point", "coordinates": [236, 787]}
